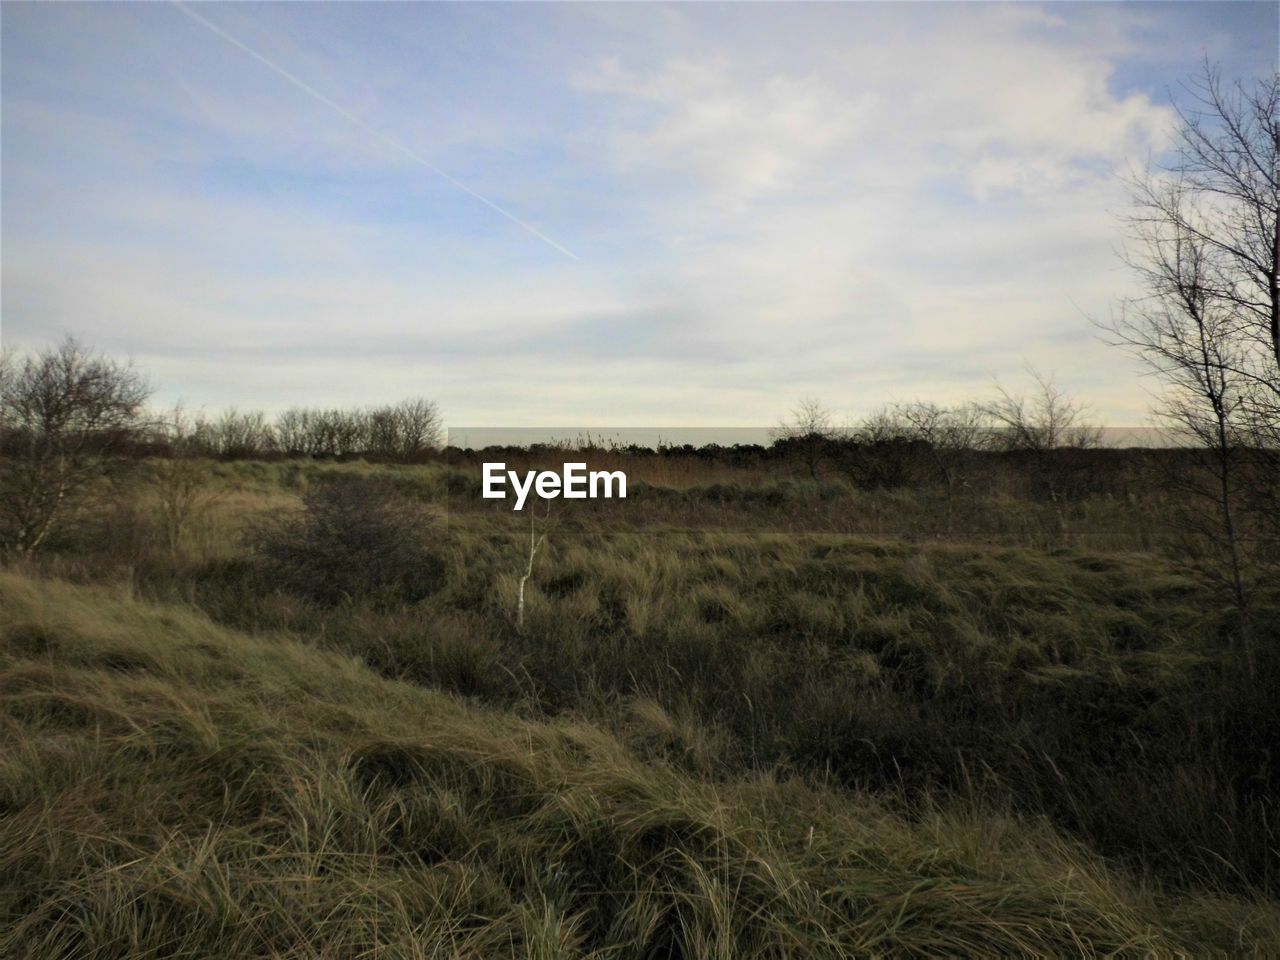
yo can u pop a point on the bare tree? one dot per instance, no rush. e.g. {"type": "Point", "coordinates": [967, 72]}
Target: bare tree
{"type": "Point", "coordinates": [404, 431]}
{"type": "Point", "coordinates": [880, 452]}
{"type": "Point", "coordinates": [1206, 231]}
{"type": "Point", "coordinates": [1044, 431]}
{"type": "Point", "coordinates": [951, 433]}
{"type": "Point", "coordinates": [419, 425]}
{"type": "Point", "coordinates": [334, 432]}
{"type": "Point", "coordinates": [1044, 420]}
{"type": "Point", "coordinates": [65, 416]}
{"type": "Point", "coordinates": [808, 433]}
{"type": "Point", "coordinates": [291, 432]}
{"type": "Point", "coordinates": [1222, 189]}
{"type": "Point", "coordinates": [1188, 337]}
{"type": "Point", "coordinates": [243, 436]}
{"type": "Point", "coordinates": [1222, 192]}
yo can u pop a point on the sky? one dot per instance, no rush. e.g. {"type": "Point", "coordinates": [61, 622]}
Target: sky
{"type": "Point", "coordinates": [594, 214]}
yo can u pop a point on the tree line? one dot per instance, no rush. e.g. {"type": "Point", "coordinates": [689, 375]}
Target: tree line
{"type": "Point", "coordinates": [71, 418]}
{"type": "Point", "coordinates": [404, 432]}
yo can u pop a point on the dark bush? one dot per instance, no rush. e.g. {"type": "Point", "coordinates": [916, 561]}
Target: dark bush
{"type": "Point", "coordinates": [355, 538]}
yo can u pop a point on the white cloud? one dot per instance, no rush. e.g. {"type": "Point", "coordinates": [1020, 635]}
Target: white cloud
{"type": "Point", "coordinates": [855, 201]}
{"type": "Point", "coordinates": [739, 139]}
{"type": "Point", "coordinates": [978, 100]}
{"type": "Point", "coordinates": [940, 194]}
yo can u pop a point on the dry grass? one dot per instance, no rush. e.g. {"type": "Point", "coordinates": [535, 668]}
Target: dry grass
{"type": "Point", "coordinates": [176, 789]}
{"type": "Point", "coordinates": [727, 728]}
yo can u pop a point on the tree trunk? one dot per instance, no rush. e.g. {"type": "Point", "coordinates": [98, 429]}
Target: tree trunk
{"type": "Point", "coordinates": [1273, 282]}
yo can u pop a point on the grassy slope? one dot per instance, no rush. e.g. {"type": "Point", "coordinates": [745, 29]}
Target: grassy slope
{"type": "Point", "coordinates": [1092, 689]}
{"type": "Point", "coordinates": [172, 788]}
{"type": "Point", "coordinates": [1087, 684]}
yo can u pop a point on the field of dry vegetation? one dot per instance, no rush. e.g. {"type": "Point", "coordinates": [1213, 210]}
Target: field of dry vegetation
{"type": "Point", "coordinates": [755, 715]}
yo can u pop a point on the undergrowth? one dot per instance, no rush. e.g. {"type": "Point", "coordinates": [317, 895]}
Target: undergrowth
{"type": "Point", "coordinates": [177, 789]}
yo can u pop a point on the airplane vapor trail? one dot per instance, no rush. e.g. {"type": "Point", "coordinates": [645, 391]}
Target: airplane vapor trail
{"type": "Point", "coordinates": [372, 131]}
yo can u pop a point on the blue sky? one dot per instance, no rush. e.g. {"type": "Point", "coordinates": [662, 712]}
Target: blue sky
{"type": "Point", "coordinates": [857, 202]}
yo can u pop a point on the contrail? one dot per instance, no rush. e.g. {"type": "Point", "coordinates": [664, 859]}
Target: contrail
{"type": "Point", "coordinates": [372, 131]}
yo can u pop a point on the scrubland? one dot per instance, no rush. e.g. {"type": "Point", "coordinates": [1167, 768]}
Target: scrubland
{"type": "Point", "coordinates": [771, 718]}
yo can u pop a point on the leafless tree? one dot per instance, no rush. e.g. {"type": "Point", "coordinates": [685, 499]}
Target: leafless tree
{"type": "Point", "coordinates": [65, 416]}
{"type": "Point", "coordinates": [243, 435]}
{"type": "Point", "coordinates": [1206, 249]}
{"type": "Point", "coordinates": [880, 451]}
{"type": "Point", "coordinates": [951, 433]}
{"type": "Point", "coordinates": [404, 431]}
{"type": "Point", "coordinates": [1222, 191]}
{"type": "Point", "coordinates": [291, 432]}
{"type": "Point", "coordinates": [1188, 337]}
{"type": "Point", "coordinates": [809, 433]}
{"type": "Point", "coordinates": [333, 433]}
{"type": "Point", "coordinates": [1044, 432]}
{"type": "Point", "coordinates": [420, 427]}
{"type": "Point", "coordinates": [1045, 419]}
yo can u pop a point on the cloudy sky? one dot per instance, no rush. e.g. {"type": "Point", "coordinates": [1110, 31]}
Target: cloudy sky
{"type": "Point", "coordinates": [597, 214]}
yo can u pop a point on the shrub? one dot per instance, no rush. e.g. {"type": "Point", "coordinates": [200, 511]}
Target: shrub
{"type": "Point", "coordinates": [355, 538]}
{"type": "Point", "coordinates": [68, 417]}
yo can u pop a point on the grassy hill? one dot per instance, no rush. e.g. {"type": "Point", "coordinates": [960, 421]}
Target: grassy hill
{"type": "Point", "coordinates": [173, 788]}
{"type": "Point", "coordinates": [712, 734]}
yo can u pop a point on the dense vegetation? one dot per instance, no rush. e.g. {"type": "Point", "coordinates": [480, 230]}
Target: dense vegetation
{"type": "Point", "coordinates": [184, 790]}
{"type": "Point", "coordinates": [716, 733]}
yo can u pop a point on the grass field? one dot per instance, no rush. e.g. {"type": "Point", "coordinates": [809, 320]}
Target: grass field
{"type": "Point", "coordinates": [723, 729]}
{"type": "Point", "coordinates": [181, 789]}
